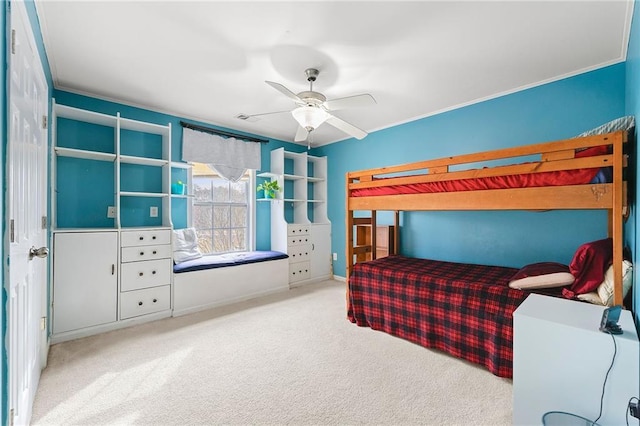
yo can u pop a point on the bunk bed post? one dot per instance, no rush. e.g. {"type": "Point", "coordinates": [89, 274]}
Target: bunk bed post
{"type": "Point", "coordinates": [374, 243]}
{"type": "Point", "coordinates": [616, 217]}
{"type": "Point", "coordinates": [349, 234]}
{"type": "Point", "coordinates": [396, 233]}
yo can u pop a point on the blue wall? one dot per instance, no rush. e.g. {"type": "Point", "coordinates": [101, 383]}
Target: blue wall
{"type": "Point", "coordinates": [549, 112]}
{"type": "Point", "coordinates": [632, 107]}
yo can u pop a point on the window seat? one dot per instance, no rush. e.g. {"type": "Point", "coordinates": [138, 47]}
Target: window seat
{"type": "Point", "coordinates": [212, 261]}
{"type": "Point", "coordinates": [216, 280]}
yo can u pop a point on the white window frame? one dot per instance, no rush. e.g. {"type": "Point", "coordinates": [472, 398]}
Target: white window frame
{"type": "Point", "coordinates": [251, 206]}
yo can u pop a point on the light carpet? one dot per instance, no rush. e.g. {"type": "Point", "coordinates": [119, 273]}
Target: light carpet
{"type": "Point", "coordinates": [289, 358]}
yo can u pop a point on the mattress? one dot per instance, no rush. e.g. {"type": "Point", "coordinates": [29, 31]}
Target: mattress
{"type": "Point", "coordinates": [463, 309]}
{"type": "Point", "coordinates": [528, 180]}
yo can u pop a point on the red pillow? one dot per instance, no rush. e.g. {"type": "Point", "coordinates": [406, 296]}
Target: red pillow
{"type": "Point", "coordinates": [592, 152]}
{"type": "Point", "coordinates": [589, 264]}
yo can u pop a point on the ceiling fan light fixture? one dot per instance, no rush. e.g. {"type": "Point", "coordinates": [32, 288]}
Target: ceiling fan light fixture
{"type": "Point", "coordinates": [310, 117]}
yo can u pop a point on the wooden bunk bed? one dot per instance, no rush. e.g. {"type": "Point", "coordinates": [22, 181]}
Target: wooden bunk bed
{"type": "Point", "coordinates": [402, 188]}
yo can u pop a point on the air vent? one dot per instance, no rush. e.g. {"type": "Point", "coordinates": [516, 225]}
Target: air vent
{"type": "Point", "coordinates": [246, 117]}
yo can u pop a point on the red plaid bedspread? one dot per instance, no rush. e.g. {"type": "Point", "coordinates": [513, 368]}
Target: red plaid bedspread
{"type": "Point", "coordinates": [465, 310]}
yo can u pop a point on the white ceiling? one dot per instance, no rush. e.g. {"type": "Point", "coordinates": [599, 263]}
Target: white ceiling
{"type": "Point", "coordinates": [208, 61]}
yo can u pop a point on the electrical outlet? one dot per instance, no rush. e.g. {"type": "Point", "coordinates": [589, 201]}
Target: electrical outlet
{"type": "Point", "coordinates": [335, 256]}
{"type": "Point", "coordinates": [111, 212]}
{"type": "Point", "coordinates": [153, 211]}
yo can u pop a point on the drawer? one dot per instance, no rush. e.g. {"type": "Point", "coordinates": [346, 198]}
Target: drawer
{"type": "Point", "coordinates": [298, 239]}
{"type": "Point", "coordinates": [299, 271]}
{"type": "Point", "coordinates": [147, 301]}
{"type": "Point", "coordinates": [294, 230]}
{"type": "Point", "coordinates": [151, 273]}
{"type": "Point", "coordinates": [135, 254]}
{"type": "Point", "coordinates": [299, 253]}
{"type": "Point", "coordinates": [144, 237]}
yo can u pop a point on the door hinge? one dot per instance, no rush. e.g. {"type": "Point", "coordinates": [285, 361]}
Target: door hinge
{"type": "Point", "coordinates": [13, 42]}
{"type": "Point", "coordinates": [43, 323]}
{"type": "Point", "coordinates": [44, 222]}
{"type": "Point", "coordinates": [44, 121]}
{"type": "Point", "coordinates": [12, 232]}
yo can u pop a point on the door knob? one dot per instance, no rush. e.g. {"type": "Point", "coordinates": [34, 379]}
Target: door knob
{"type": "Point", "coordinates": [41, 252]}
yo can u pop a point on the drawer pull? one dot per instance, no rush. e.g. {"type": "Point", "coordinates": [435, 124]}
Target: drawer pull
{"type": "Point", "coordinates": [113, 269]}
{"type": "Point", "coordinates": [153, 238]}
{"type": "Point", "coordinates": [141, 238]}
{"type": "Point", "coordinates": [140, 273]}
{"type": "Point", "coordinates": [153, 272]}
{"type": "Point", "coordinates": [155, 252]}
{"type": "Point", "coordinates": [139, 303]}
{"type": "Point", "coordinates": [155, 300]}
{"type": "Point", "coordinates": [141, 253]}
{"type": "Point", "coordinates": [294, 273]}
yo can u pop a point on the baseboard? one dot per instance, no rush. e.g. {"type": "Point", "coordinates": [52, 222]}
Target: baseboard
{"type": "Point", "coordinates": [339, 278]}
{"type": "Point", "coordinates": [310, 281]}
{"type": "Point", "coordinates": [90, 331]}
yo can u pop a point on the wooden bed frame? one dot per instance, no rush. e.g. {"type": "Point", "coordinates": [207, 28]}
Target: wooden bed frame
{"type": "Point", "coordinates": [554, 156]}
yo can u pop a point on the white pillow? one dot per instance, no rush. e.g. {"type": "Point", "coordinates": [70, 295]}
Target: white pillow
{"type": "Point", "coordinates": [591, 297]}
{"type": "Point", "coordinates": [185, 245]}
{"type": "Point", "coordinates": [557, 279]}
{"type": "Point", "coordinates": [541, 275]}
{"type": "Point", "coordinates": [604, 293]}
{"type": "Point", "coordinates": [605, 290]}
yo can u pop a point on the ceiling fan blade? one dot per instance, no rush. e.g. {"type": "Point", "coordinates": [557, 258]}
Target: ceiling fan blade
{"type": "Point", "coordinates": [256, 117]}
{"type": "Point", "coordinates": [350, 102]}
{"type": "Point", "coordinates": [301, 135]}
{"type": "Point", "coordinates": [288, 93]}
{"type": "Point", "coordinates": [349, 129]}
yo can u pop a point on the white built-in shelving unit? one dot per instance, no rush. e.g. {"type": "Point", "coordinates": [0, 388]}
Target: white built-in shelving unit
{"type": "Point", "coordinates": [299, 223]}
{"type": "Point", "coordinates": [109, 175]}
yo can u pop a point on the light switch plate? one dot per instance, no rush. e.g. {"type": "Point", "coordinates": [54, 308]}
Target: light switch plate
{"type": "Point", "coordinates": [153, 211]}
{"type": "Point", "coordinates": [111, 212]}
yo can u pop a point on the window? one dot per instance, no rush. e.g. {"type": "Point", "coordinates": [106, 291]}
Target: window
{"type": "Point", "coordinates": [222, 211]}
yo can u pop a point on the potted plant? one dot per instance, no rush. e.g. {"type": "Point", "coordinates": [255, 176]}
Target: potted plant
{"type": "Point", "coordinates": [177, 188]}
{"type": "Point", "coordinates": [270, 188]}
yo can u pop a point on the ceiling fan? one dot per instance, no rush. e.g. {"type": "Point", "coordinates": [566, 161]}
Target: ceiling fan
{"type": "Point", "coordinates": [313, 108]}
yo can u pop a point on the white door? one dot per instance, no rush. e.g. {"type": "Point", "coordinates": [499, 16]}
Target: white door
{"type": "Point", "coordinates": [26, 206]}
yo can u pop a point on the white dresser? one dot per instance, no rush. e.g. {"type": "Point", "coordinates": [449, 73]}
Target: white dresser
{"type": "Point", "coordinates": [108, 279]}
{"type": "Point", "coordinates": [145, 273]}
{"type": "Point", "coordinates": [299, 250]}
{"type": "Point", "coordinates": [560, 359]}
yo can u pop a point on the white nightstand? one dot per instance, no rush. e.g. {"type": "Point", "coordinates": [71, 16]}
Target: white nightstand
{"type": "Point", "coordinates": [560, 360]}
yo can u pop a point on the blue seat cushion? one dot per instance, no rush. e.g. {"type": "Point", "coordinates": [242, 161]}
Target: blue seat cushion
{"type": "Point", "coordinates": [210, 261]}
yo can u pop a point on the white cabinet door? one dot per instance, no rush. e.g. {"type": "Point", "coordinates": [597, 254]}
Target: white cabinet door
{"type": "Point", "coordinates": [320, 250]}
{"type": "Point", "coordinates": [85, 279]}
